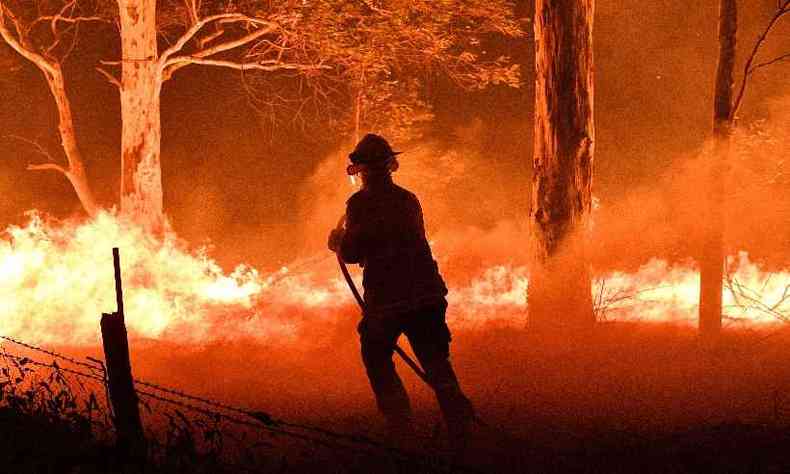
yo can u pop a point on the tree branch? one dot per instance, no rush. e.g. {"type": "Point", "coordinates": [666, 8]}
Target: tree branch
{"type": "Point", "coordinates": [783, 7]}
{"type": "Point", "coordinates": [228, 45]}
{"type": "Point", "coordinates": [62, 17]}
{"type": "Point", "coordinates": [175, 63]}
{"type": "Point", "coordinates": [48, 166]}
{"type": "Point", "coordinates": [191, 32]}
{"type": "Point", "coordinates": [772, 61]}
{"type": "Point", "coordinates": [17, 43]}
{"type": "Point", "coordinates": [181, 61]}
{"type": "Point", "coordinates": [107, 75]}
{"type": "Point", "coordinates": [38, 149]}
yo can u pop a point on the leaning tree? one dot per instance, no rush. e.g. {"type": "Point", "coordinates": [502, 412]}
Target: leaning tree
{"type": "Point", "coordinates": [559, 292]}
{"type": "Point", "coordinates": [726, 103]}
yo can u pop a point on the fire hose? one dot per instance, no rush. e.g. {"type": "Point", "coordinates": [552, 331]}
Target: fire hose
{"type": "Point", "coordinates": [398, 350]}
{"type": "Point", "coordinates": [353, 287]}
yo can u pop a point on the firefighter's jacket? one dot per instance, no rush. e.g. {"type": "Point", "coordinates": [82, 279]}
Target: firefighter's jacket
{"type": "Point", "coordinates": [385, 234]}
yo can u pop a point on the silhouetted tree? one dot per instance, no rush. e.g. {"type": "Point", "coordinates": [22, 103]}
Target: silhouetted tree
{"type": "Point", "coordinates": [725, 107]}
{"type": "Point", "coordinates": [560, 289]}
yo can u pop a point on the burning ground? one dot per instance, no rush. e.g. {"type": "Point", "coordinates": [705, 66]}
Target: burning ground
{"type": "Point", "coordinates": [260, 317]}
{"type": "Point", "coordinates": [283, 340]}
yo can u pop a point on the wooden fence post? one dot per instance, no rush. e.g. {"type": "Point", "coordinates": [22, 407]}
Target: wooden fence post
{"type": "Point", "coordinates": [128, 425]}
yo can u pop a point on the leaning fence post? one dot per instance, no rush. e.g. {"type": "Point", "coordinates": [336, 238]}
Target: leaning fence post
{"type": "Point", "coordinates": [128, 425]}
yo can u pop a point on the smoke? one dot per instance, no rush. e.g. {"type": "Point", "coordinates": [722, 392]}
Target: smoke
{"type": "Point", "coordinates": [668, 217]}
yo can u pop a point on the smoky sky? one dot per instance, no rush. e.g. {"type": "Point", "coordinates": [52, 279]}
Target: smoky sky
{"type": "Point", "coordinates": [230, 182]}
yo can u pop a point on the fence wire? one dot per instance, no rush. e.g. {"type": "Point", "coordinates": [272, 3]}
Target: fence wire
{"type": "Point", "coordinates": [213, 409]}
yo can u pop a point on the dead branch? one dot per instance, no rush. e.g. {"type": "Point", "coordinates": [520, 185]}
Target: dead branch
{"type": "Point", "coordinates": [173, 64]}
{"type": "Point", "coordinates": [38, 149]}
{"type": "Point", "coordinates": [746, 299]}
{"type": "Point", "coordinates": [783, 8]}
{"type": "Point", "coordinates": [200, 24]}
{"type": "Point", "coordinates": [47, 166]}
{"type": "Point", "coordinates": [110, 78]}
{"type": "Point", "coordinates": [260, 66]}
{"type": "Point", "coordinates": [37, 146]}
{"type": "Point", "coordinates": [17, 43]}
{"type": "Point", "coordinates": [63, 17]}
{"type": "Point", "coordinates": [772, 61]}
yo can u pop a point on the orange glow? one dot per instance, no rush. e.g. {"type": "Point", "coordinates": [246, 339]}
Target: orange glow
{"type": "Point", "coordinates": [56, 279]}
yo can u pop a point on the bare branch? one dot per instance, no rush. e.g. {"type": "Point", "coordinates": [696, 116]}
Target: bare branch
{"type": "Point", "coordinates": [221, 18]}
{"type": "Point", "coordinates": [107, 75]}
{"type": "Point", "coordinates": [260, 66]}
{"type": "Point", "coordinates": [202, 42]}
{"type": "Point", "coordinates": [38, 149]}
{"type": "Point", "coordinates": [193, 7]}
{"type": "Point", "coordinates": [48, 166]}
{"type": "Point", "coordinates": [54, 19]}
{"type": "Point", "coordinates": [772, 61]}
{"type": "Point", "coordinates": [228, 45]}
{"type": "Point", "coordinates": [782, 9]}
{"type": "Point", "coordinates": [172, 65]}
{"type": "Point", "coordinates": [16, 43]}
{"type": "Point", "coordinates": [37, 146]}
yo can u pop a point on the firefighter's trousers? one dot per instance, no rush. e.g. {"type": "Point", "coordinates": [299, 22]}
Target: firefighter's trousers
{"type": "Point", "coordinates": [429, 337]}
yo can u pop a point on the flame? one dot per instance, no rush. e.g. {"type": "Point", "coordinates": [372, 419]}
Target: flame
{"type": "Point", "coordinates": [56, 279]}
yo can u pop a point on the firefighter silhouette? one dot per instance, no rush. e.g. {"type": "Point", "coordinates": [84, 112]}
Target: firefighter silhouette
{"type": "Point", "coordinates": [403, 291]}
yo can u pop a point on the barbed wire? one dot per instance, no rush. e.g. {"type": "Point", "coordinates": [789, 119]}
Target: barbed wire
{"type": "Point", "coordinates": [263, 420]}
{"type": "Point", "coordinates": [261, 416]}
{"type": "Point", "coordinates": [23, 360]}
{"type": "Point", "coordinates": [275, 427]}
{"type": "Point", "coordinates": [51, 353]}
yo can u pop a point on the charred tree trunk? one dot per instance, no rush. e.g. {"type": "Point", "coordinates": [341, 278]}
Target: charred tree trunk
{"type": "Point", "coordinates": [712, 258]}
{"type": "Point", "coordinates": [560, 290]}
{"type": "Point", "coordinates": [141, 175]}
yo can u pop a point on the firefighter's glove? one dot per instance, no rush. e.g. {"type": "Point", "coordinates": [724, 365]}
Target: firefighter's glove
{"type": "Point", "coordinates": [335, 239]}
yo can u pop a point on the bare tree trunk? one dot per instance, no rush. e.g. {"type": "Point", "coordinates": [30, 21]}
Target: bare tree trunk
{"type": "Point", "coordinates": [76, 170]}
{"type": "Point", "coordinates": [712, 261]}
{"type": "Point", "coordinates": [560, 290]}
{"type": "Point", "coordinates": [141, 174]}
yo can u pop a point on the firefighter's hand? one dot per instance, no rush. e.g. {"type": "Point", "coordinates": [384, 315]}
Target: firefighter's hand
{"type": "Point", "coordinates": [335, 239]}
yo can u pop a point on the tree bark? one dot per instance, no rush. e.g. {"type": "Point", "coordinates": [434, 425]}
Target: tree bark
{"type": "Point", "coordinates": [141, 84]}
{"type": "Point", "coordinates": [76, 170]}
{"type": "Point", "coordinates": [712, 258]}
{"type": "Point", "coordinates": [560, 290]}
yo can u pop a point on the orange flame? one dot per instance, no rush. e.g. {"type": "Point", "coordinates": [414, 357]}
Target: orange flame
{"type": "Point", "coordinates": [56, 279]}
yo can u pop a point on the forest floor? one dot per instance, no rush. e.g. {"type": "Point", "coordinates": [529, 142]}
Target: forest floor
{"type": "Point", "coordinates": [632, 397]}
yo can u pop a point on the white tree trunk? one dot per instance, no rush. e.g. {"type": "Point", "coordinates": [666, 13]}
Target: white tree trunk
{"type": "Point", "coordinates": [76, 170]}
{"type": "Point", "coordinates": [141, 84]}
